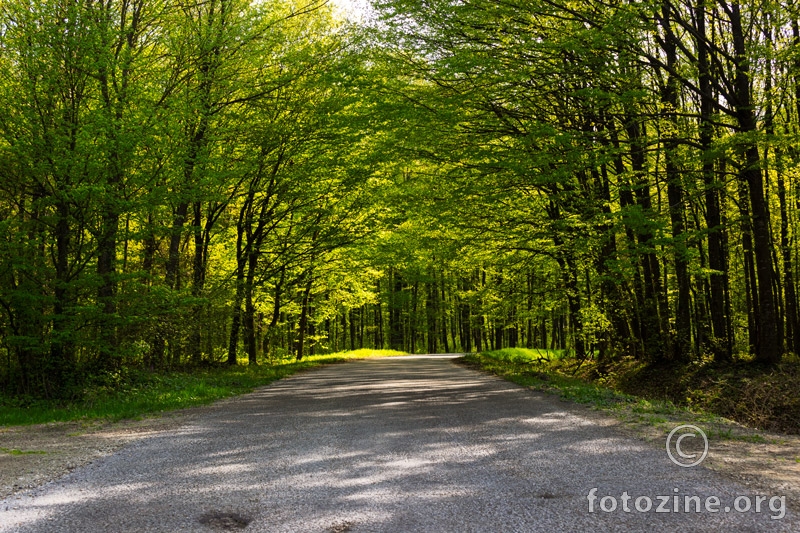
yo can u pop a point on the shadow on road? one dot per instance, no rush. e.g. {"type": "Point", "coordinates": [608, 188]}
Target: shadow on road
{"type": "Point", "coordinates": [381, 445]}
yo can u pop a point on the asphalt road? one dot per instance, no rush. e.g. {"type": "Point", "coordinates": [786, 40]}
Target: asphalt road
{"type": "Point", "coordinates": [392, 445]}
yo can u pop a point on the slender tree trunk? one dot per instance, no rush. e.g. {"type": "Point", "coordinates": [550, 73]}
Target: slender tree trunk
{"type": "Point", "coordinates": [236, 319]}
{"type": "Point", "coordinates": [353, 331]}
{"type": "Point", "coordinates": [792, 313]}
{"type": "Point", "coordinates": [653, 312]}
{"type": "Point", "coordinates": [378, 318]}
{"type": "Point", "coordinates": [363, 318]}
{"type": "Point", "coordinates": [414, 305]}
{"type": "Point", "coordinates": [198, 281]}
{"type": "Point", "coordinates": [276, 310]}
{"type": "Point", "coordinates": [574, 306]}
{"type": "Point", "coordinates": [304, 311]}
{"type": "Point", "coordinates": [395, 313]}
{"type": "Point", "coordinates": [243, 253]}
{"type": "Point", "coordinates": [542, 333]}
{"type": "Point", "coordinates": [431, 314]}
{"type": "Point", "coordinates": [175, 236]}
{"type": "Point", "coordinates": [466, 317]}
{"type": "Point", "coordinates": [148, 259]}
{"type": "Point", "coordinates": [250, 310]}
{"type": "Point", "coordinates": [443, 315]}
{"type": "Point", "coordinates": [171, 275]}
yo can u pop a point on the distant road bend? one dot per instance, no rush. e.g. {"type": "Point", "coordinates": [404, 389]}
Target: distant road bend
{"type": "Point", "coordinates": [405, 444]}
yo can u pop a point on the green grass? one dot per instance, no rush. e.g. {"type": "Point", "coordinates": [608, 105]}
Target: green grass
{"type": "Point", "coordinates": [554, 375]}
{"type": "Point", "coordinates": [534, 369]}
{"type": "Point", "coordinates": [132, 394]}
{"type": "Point", "coordinates": [21, 452]}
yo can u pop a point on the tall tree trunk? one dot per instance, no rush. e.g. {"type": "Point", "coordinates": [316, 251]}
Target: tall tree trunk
{"type": "Point", "coordinates": [61, 363]}
{"type": "Point", "coordinates": [627, 202]}
{"type": "Point", "coordinates": [107, 292]}
{"type": "Point", "coordinates": [610, 287]}
{"type": "Point", "coordinates": [675, 195]}
{"type": "Point", "coordinates": [768, 345]}
{"type": "Point", "coordinates": [722, 344]}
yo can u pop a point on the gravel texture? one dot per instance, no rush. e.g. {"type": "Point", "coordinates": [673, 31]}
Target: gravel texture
{"type": "Point", "coordinates": [395, 445]}
{"type": "Point", "coordinates": [45, 452]}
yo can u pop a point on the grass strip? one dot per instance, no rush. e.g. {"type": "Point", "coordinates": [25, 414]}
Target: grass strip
{"type": "Point", "coordinates": [135, 393]}
{"type": "Point", "coordinates": [11, 451]}
{"type": "Point", "coordinates": [547, 371]}
{"type": "Point", "coordinates": [532, 368]}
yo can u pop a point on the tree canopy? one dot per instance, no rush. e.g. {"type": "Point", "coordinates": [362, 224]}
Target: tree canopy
{"type": "Point", "coordinates": [226, 181]}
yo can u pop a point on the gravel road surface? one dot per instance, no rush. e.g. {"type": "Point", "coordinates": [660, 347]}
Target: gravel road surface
{"type": "Point", "coordinates": [393, 445]}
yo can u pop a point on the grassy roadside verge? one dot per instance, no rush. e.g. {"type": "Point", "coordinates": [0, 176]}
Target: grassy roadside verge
{"type": "Point", "coordinates": [611, 391]}
{"type": "Point", "coordinates": [136, 393]}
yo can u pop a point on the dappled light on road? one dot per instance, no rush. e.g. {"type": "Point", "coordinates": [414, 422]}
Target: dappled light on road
{"type": "Point", "coordinates": [389, 445]}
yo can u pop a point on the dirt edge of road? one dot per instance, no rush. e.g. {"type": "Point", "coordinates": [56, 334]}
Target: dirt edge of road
{"type": "Point", "coordinates": [31, 456]}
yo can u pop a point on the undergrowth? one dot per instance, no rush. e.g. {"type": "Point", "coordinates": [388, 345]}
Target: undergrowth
{"type": "Point", "coordinates": [759, 397]}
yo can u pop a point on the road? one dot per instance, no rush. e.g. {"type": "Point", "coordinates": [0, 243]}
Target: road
{"type": "Point", "coordinates": [410, 444]}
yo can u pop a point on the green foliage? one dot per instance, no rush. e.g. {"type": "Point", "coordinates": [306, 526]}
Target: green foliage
{"type": "Point", "coordinates": [187, 184]}
{"type": "Point", "coordinates": [523, 356]}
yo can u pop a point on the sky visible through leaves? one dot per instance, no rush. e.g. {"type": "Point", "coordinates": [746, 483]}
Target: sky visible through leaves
{"type": "Point", "coordinates": [352, 9]}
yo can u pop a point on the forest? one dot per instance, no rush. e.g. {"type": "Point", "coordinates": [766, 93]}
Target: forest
{"type": "Point", "coordinates": [186, 183]}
